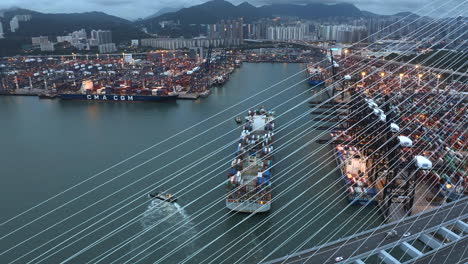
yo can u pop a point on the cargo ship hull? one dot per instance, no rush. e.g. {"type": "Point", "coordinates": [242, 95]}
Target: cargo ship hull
{"type": "Point", "coordinates": [249, 179]}
{"type": "Point", "coordinates": [315, 82]}
{"type": "Point", "coordinates": [248, 206]}
{"type": "Point", "coordinates": [118, 98]}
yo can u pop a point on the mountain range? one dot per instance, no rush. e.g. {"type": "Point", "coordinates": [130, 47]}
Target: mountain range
{"type": "Point", "coordinates": [206, 13]}
{"type": "Point", "coordinates": [190, 20]}
{"type": "Point", "coordinates": [163, 11]}
{"type": "Point", "coordinates": [215, 10]}
{"type": "Point", "coordinates": [61, 24]}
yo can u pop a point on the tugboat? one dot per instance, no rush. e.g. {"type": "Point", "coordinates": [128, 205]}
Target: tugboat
{"type": "Point", "coordinates": [205, 94]}
{"type": "Point", "coordinates": [167, 197]}
{"type": "Point", "coordinates": [47, 96]}
{"type": "Point", "coordinates": [238, 120]}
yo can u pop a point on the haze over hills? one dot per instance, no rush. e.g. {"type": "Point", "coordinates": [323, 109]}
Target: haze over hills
{"type": "Point", "coordinates": [212, 11]}
{"type": "Point", "coordinates": [163, 11]}
{"type": "Point", "coordinates": [60, 24]}
{"type": "Point", "coordinates": [206, 13]}
{"type": "Point", "coordinates": [53, 25]}
{"type": "Point", "coordinates": [215, 10]}
{"type": "Point", "coordinates": [190, 19]}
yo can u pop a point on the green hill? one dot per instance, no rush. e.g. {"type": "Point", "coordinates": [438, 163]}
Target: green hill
{"type": "Point", "coordinates": [215, 10]}
{"type": "Point", "coordinates": [53, 25]}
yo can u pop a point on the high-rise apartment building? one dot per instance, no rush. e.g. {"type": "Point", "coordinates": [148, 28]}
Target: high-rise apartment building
{"type": "Point", "coordinates": [286, 32]}
{"type": "Point", "coordinates": [64, 38]}
{"type": "Point", "coordinates": [103, 37]}
{"type": "Point", "coordinates": [37, 41]}
{"type": "Point", "coordinates": [94, 34]}
{"type": "Point", "coordinates": [107, 48]}
{"type": "Point", "coordinates": [79, 39]}
{"type": "Point", "coordinates": [230, 30]}
{"type": "Point", "coordinates": [343, 33]}
{"type": "Point", "coordinates": [79, 34]}
{"type": "Point", "coordinates": [1, 29]}
{"type": "Point", "coordinates": [49, 46]}
{"type": "Point", "coordinates": [99, 37]}
{"type": "Point", "coordinates": [14, 23]}
{"type": "Point", "coordinates": [180, 43]}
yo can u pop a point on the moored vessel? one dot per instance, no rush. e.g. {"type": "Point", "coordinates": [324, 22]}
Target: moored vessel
{"type": "Point", "coordinates": [205, 93]}
{"type": "Point", "coordinates": [120, 98]}
{"type": "Point", "coordinates": [47, 96]}
{"type": "Point", "coordinates": [315, 76]}
{"type": "Point", "coordinates": [89, 92]}
{"type": "Point", "coordinates": [353, 168]}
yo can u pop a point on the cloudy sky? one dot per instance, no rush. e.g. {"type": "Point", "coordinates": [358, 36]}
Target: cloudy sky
{"type": "Point", "coordinates": [132, 9]}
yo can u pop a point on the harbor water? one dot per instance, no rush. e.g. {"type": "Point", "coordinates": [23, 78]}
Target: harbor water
{"type": "Point", "coordinates": [49, 146]}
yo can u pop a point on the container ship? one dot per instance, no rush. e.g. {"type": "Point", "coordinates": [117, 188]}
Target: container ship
{"type": "Point", "coordinates": [315, 76]}
{"type": "Point", "coordinates": [120, 94]}
{"type": "Point", "coordinates": [353, 168]}
{"type": "Point", "coordinates": [249, 179]}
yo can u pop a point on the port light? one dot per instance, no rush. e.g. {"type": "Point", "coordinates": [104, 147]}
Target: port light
{"type": "Point", "coordinates": [448, 186]}
{"type": "Point", "coordinates": [349, 176]}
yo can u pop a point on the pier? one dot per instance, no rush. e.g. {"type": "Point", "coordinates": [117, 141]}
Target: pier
{"type": "Point", "coordinates": [364, 121]}
{"type": "Point", "coordinates": [160, 73]}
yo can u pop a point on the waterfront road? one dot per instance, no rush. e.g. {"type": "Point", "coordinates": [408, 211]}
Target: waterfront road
{"type": "Point", "coordinates": [366, 241]}
{"type": "Point", "coordinates": [450, 72]}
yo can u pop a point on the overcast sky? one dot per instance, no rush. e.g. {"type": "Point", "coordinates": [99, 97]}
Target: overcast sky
{"type": "Point", "coordinates": [132, 9]}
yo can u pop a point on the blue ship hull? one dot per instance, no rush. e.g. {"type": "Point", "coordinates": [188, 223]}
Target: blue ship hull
{"type": "Point", "coordinates": [315, 82]}
{"type": "Point", "coordinates": [118, 98]}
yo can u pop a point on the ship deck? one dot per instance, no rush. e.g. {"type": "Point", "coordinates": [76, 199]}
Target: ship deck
{"type": "Point", "coordinates": [251, 167]}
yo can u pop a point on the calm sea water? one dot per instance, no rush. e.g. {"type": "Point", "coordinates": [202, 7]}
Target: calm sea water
{"type": "Point", "coordinates": [48, 146]}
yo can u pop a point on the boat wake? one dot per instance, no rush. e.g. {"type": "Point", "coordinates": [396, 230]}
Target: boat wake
{"type": "Point", "coordinates": [166, 225]}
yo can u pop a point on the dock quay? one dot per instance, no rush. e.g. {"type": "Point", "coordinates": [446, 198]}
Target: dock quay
{"type": "Point", "coordinates": [153, 77]}
{"type": "Point", "coordinates": [402, 150]}
{"type": "Point", "coordinates": [22, 92]}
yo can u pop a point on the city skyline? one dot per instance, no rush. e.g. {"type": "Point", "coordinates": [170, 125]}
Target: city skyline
{"type": "Point", "coordinates": [143, 8]}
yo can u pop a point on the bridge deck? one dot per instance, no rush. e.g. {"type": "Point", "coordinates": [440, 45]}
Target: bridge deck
{"type": "Point", "coordinates": [365, 242]}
